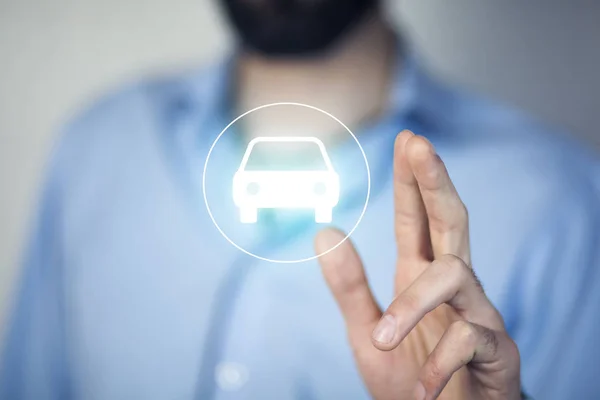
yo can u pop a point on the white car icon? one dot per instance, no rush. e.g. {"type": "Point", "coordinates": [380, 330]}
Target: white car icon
{"type": "Point", "coordinates": [281, 183]}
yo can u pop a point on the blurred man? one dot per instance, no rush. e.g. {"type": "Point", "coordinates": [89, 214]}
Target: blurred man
{"type": "Point", "coordinates": [130, 292]}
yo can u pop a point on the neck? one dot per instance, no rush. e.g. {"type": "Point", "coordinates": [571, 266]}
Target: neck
{"type": "Point", "coordinates": [350, 82]}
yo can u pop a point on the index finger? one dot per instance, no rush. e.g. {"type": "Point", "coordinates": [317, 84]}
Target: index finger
{"type": "Point", "coordinates": [344, 273]}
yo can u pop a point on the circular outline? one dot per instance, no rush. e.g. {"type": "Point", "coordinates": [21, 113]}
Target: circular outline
{"type": "Point", "coordinates": [269, 259]}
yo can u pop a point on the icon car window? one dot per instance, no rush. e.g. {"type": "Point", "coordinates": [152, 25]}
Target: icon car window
{"type": "Point", "coordinates": [286, 155]}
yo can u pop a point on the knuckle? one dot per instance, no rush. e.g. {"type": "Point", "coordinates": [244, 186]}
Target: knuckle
{"type": "Point", "coordinates": [433, 373]}
{"type": "Point", "coordinates": [510, 358]}
{"type": "Point", "coordinates": [406, 218]}
{"type": "Point", "coordinates": [409, 302]}
{"type": "Point", "coordinates": [455, 219]}
{"type": "Point", "coordinates": [490, 340]}
{"type": "Point", "coordinates": [353, 285]}
{"type": "Point", "coordinates": [463, 212]}
{"type": "Point", "coordinates": [348, 282]}
{"type": "Point", "coordinates": [514, 355]}
{"type": "Point", "coordinates": [460, 221]}
{"type": "Point", "coordinates": [454, 269]}
{"type": "Point", "coordinates": [453, 261]}
{"type": "Point", "coordinates": [464, 333]}
{"type": "Point", "coordinates": [509, 349]}
{"type": "Point", "coordinates": [433, 177]}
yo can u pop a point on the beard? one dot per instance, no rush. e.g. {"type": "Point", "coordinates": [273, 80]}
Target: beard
{"type": "Point", "coordinates": [293, 27]}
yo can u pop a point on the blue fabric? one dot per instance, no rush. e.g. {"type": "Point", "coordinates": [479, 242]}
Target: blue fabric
{"type": "Point", "coordinates": [129, 291]}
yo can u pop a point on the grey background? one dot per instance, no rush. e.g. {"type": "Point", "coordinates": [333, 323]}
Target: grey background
{"type": "Point", "coordinates": [57, 55]}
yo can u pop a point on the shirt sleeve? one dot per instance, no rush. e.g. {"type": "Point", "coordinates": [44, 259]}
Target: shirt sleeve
{"type": "Point", "coordinates": [33, 363]}
{"type": "Point", "coordinates": [558, 297]}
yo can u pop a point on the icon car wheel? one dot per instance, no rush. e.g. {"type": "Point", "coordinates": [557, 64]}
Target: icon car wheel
{"type": "Point", "coordinates": [323, 215]}
{"type": "Point", "coordinates": [248, 215]}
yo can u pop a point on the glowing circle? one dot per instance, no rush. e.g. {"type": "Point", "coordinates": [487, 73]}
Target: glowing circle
{"type": "Point", "coordinates": [364, 209]}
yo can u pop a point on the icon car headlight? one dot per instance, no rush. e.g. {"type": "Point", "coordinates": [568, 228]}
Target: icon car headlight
{"type": "Point", "coordinates": [320, 188]}
{"type": "Point", "coordinates": [253, 188]}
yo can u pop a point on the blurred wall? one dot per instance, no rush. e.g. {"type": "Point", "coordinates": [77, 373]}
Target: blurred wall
{"type": "Point", "coordinates": [55, 55]}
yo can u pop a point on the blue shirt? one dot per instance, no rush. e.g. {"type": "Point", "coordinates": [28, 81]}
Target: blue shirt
{"type": "Point", "coordinates": [130, 292]}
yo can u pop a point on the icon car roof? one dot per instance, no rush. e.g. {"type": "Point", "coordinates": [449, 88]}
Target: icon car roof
{"type": "Point", "coordinates": [286, 139]}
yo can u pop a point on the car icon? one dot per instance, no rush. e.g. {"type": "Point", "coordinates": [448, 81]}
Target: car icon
{"type": "Point", "coordinates": [286, 172]}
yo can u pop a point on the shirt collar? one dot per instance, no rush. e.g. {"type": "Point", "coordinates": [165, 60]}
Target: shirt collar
{"type": "Point", "coordinates": [412, 87]}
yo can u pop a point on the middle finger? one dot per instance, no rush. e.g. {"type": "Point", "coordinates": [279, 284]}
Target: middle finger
{"type": "Point", "coordinates": [446, 213]}
{"type": "Point", "coordinates": [411, 226]}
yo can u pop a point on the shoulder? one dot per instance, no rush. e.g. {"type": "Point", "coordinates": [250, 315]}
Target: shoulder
{"type": "Point", "coordinates": [515, 152]}
{"type": "Point", "coordinates": [127, 118]}
{"type": "Point", "coordinates": [502, 138]}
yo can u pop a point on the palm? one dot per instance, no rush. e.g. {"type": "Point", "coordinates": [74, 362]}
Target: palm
{"type": "Point", "coordinates": [380, 369]}
{"type": "Point", "coordinates": [440, 319]}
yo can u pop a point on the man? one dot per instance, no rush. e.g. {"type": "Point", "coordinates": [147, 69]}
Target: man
{"type": "Point", "coordinates": [130, 292]}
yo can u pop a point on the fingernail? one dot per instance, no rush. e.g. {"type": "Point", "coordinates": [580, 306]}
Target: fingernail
{"type": "Point", "coordinates": [385, 330]}
{"type": "Point", "coordinates": [419, 391]}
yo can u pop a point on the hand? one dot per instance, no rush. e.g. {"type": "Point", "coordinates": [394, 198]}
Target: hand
{"type": "Point", "coordinates": [441, 337]}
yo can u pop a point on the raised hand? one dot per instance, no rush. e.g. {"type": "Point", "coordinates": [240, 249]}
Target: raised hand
{"type": "Point", "coordinates": [441, 337]}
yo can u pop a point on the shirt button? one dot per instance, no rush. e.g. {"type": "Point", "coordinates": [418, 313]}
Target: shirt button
{"type": "Point", "coordinates": [231, 376]}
